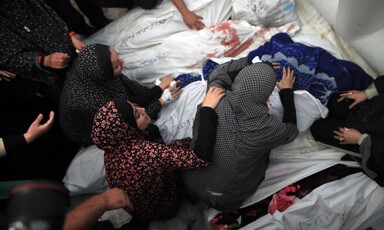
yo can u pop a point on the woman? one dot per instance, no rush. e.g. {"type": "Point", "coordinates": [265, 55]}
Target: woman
{"type": "Point", "coordinates": [246, 133]}
{"type": "Point", "coordinates": [355, 122]}
{"type": "Point", "coordinates": [95, 79]}
{"type": "Point", "coordinates": [137, 160]}
{"type": "Point", "coordinates": [37, 46]}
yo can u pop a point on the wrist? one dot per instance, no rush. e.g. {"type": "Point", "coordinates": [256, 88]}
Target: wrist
{"type": "Point", "coordinates": [161, 102]}
{"type": "Point", "coordinates": [162, 86]}
{"type": "Point", "coordinates": [28, 138]}
{"type": "Point", "coordinates": [46, 61]}
{"type": "Point", "coordinates": [41, 60]}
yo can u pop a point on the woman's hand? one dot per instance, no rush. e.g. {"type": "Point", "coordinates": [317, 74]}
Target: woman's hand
{"type": "Point", "coordinates": [7, 76]}
{"type": "Point", "coordinates": [358, 96]}
{"type": "Point", "coordinates": [165, 81]}
{"type": "Point", "coordinates": [276, 65]}
{"type": "Point", "coordinates": [213, 97]}
{"type": "Point", "coordinates": [36, 129]}
{"type": "Point", "coordinates": [347, 136]}
{"type": "Point", "coordinates": [79, 45]}
{"type": "Point", "coordinates": [175, 91]}
{"type": "Point", "coordinates": [287, 79]}
{"type": "Point", "coordinates": [170, 94]}
{"type": "Point", "coordinates": [56, 60]}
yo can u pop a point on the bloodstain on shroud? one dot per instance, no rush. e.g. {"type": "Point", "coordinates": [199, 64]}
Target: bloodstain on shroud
{"type": "Point", "coordinates": [228, 38]}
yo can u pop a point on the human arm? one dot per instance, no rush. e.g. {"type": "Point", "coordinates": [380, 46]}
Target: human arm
{"type": "Point", "coordinates": [191, 20]}
{"type": "Point", "coordinates": [7, 76]}
{"type": "Point", "coordinates": [86, 214]}
{"type": "Point", "coordinates": [352, 136]}
{"type": "Point", "coordinates": [206, 136]}
{"type": "Point", "coordinates": [286, 96]}
{"type": "Point", "coordinates": [11, 143]}
{"type": "Point", "coordinates": [79, 45]}
{"type": "Point", "coordinates": [35, 130]}
{"type": "Point", "coordinates": [54, 60]}
{"type": "Point", "coordinates": [170, 94]}
{"type": "Point", "coordinates": [224, 75]}
{"type": "Point", "coordinates": [148, 95]}
{"type": "Point", "coordinates": [347, 136]}
{"type": "Point", "coordinates": [365, 143]}
{"type": "Point", "coordinates": [181, 155]}
{"type": "Point", "coordinates": [360, 96]}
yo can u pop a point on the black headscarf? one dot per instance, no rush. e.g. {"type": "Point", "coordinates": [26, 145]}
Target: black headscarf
{"type": "Point", "coordinates": [126, 111]}
{"type": "Point", "coordinates": [90, 84]}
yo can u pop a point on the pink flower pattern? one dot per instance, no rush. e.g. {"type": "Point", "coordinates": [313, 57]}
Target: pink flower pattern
{"type": "Point", "coordinates": [148, 171]}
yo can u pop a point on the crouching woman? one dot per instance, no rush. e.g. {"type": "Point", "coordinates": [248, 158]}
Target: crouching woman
{"type": "Point", "coordinates": [137, 160]}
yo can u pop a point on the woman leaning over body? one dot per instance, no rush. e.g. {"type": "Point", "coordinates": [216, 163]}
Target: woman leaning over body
{"type": "Point", "coordinates": [95, 79]}
{"type": "Point", "coordinates": [138, 161]}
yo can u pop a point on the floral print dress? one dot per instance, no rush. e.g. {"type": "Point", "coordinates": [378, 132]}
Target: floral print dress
{"type": "Point", "coordinates": [148, 171]}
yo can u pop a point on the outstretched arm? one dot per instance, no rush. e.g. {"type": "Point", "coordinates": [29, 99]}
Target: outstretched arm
{"type": "Point", "coordinates": [12, 143]}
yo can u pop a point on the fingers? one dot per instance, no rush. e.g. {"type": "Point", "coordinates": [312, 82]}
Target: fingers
{"type": "Point", "coordinates": [287, 79]}
{"type": "Point", "coordinates": [340, 135]}
{"type": "Point", "coordinates": [49, 123]}
{"type": "Point", "coordinates": [201, 24]}
{"type": "Point", "coordinates": [198, 25]}
{"type": "Point", "coordinates": [57, 60]}
{"type": "Point", "coordinates": [289, 73]}
{"type": "Point", "coordinates": [7, 74]}
{"type": "Point", "coordinates": [340, 98]}
{"type": "Point", "coordinates": [176, 92]}
{"type": "Point", "coordinates": [353, 104]}
{"type": "Point", "coordinates": [217, 91]}
{"type": "Point", "coordinates": [37, 121]}
{"type": "Point", "coordinates": [276, 65]}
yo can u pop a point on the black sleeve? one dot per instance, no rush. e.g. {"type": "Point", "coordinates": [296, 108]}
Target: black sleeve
{"type": "Point", "coordinates": [14, 142]}
{"type": "Point", "coordinates": [379, 84]}
{"type": "Point", "coordinates": [286, 97]}
{"type": "Point", "coordinates": [206, 136]}
{"type": "Point", "coordinates": [148, 96]}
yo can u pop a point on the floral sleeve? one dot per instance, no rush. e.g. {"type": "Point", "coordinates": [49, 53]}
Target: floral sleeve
{"type": "Point", "coordinates": [178, 156]}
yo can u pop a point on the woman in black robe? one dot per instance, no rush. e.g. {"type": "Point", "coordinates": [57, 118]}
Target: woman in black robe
{"type": "Point", "coordinates": [95, 79]}
{"type": "Point", "coordinates": [37, 46]}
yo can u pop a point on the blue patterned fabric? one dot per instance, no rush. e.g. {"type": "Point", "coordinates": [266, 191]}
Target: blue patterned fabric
{"type": "Point", "coordinates": [186, 79]}
{"type": "Point", "coordinates": [316, 70]}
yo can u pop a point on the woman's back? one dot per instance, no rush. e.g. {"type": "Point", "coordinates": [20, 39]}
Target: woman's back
{"type": "Point", "coordinates": [245, 135]}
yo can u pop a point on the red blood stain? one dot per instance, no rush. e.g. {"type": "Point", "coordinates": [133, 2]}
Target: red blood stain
{"type": "Point", "coordinates": [234, 51]}
{"type": "Point", "coordinates": [212, 54]}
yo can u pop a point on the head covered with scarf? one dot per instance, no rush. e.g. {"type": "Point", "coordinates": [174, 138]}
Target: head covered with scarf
{"type": "Point", "coordinates": [145, 169]}
{"type": "Point", "coordinates": [89, 85]}
{"type": "Point", "coordinates": [246, 133]}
